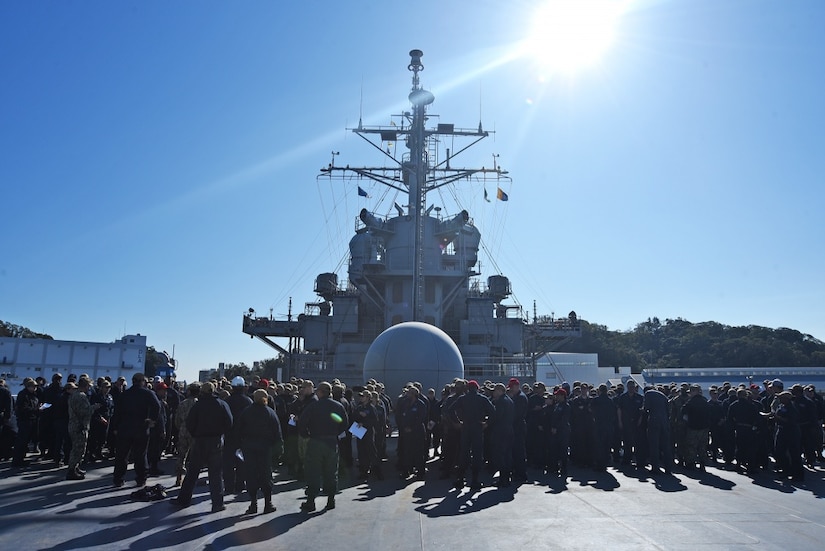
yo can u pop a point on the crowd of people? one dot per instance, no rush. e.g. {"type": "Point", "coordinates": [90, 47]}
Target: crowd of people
{"type": "Point", "coordinates": [242, 432]}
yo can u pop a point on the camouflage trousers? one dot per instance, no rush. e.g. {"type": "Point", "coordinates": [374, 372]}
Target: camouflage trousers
{"type": "Point", "coordinates": [696, 446]}
{"type": "Point", "coordinates": [79, 437]}
{"type": "Point", "coordinates": [185, 442]}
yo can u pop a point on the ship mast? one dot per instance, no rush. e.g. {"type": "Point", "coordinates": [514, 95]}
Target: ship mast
{"type": "Point", "coordinates": [417, 169]}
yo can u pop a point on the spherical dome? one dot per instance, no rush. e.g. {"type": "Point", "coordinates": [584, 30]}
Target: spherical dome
{"type": "Point", "coordinates": [413, 351]}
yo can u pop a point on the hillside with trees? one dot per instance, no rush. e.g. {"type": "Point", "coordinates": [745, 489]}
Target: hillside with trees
{"type": "Point", "coordinates": [680, 343]}
{"type": "Point", "coordinates": [19, 332]}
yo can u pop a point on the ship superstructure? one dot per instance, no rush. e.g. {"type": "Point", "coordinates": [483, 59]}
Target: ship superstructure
{"type": "Point", "coordinates": [417, 265]}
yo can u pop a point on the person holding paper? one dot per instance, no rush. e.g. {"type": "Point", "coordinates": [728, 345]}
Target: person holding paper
{"type": "Point", "coordinates": [366, 416]}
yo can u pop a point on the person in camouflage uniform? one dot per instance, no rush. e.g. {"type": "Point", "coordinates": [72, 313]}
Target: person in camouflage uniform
{"type": "Point", "coordinates": [185, 440]}
{"type": "Point", "coordinates": [80, 415]}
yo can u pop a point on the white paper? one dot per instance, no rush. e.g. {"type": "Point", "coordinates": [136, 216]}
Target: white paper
{"type": "Point", "coordinates": [358, 431]}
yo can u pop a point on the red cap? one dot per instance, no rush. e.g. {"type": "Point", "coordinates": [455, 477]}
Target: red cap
{"type": "Point", "coordinates": [513, 382]}
{"type": "Point", "coordinates": [472, 384]}
{"type": "Point", "coordinates": [160, 386]}
{"type": "Point", "coordinates": [561, 391]}
{"type": "Point", "coordinates": [263, 384]}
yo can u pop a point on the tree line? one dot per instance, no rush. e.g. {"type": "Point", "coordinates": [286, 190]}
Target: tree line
{"type": "Point", "coordinates": [680, 343]}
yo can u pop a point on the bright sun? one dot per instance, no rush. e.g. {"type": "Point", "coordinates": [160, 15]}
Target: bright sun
{"type": "Point", "coordinates": [569, 35]}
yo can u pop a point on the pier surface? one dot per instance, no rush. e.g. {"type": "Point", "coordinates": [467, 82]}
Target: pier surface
{"type": "Point", "coordinates": [620, 509]}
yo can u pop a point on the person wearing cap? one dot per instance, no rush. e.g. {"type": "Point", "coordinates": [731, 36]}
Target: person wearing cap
{"type": "Point", "coordinates": [536, 442]}
{"type": "Point", "coordinates": [136, 411]}
{"type": "Point", "coordinates": [258, 430]}
{"type": "Point", "coordinates": [411, 418]}
{"type": "Point", "coordinates": [46, 431]}
{"type": "Point", "coordinates": [519, 460]}
{"type": "Point", "coordinates": [185, 441]}
{"type": "Point", "coordinates": [451, 440]}
{"type": "Point", "coordinates": [808, 421]}
{"type": "Point", "coordinates": [743, 415]}
{"type": "Point", "coordinates": [157, 433]}
{"type": "Point", "coordinates": [604, 422]}
{"type": "Point", "coordinates": [366, 416]}
{"type": "Point", "coordinates": [473, 411]}
{"type": "Point", "coordinates": [629, 406]}
{"type": "Point", "coordinates": [59, 413]}
{"type": "Point", "coordinates": [697, 415]}
{"type": "Point", "coordinates": [233, 472]}
{"type": "Point", "coordinates": [556, 428]}
{"type": "Point", "coordinates": [27, 410]}
{"type": "Point", "coordinates": [322, 421]}
{"type": "Point", "coordinates": [502, 435]}
{"type": "Point", "coordinates": [101, 415]}
{"type": "Point", "coordinates": [810, 393]}
{"type": "Point", "coordinates": [787, 448]}
{"type": "Point", "coordinates": [80, 417]}
{"type": "Point", "coordinates": [208, 421]}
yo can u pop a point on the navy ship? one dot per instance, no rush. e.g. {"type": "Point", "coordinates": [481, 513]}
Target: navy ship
{"type": "Point", "coordinates": [418, 264]}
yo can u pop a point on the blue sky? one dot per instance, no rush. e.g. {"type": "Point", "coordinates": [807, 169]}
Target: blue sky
{"type": "Point", "coordinates": [158, 160]}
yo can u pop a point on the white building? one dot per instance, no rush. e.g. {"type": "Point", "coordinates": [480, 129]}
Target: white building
{"type": "Point", "coordinates": [21, 358]}
{"type": "Point", "coordinates": [555, 368]}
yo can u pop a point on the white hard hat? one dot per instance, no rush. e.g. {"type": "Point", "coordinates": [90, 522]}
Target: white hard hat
{"type": "Point", "coordinates": [238, 381]}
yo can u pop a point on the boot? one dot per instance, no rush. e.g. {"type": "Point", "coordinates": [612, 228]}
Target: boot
{"type": "Point", "coordinates": [253, 508]}
{"type": "Point", "coordinates": [178, 480]}
{"type": "Point", "coordinates": [330, 503]}
{"type": "Point", "coordinates": [308, 506]}
{"type": "Point", "coordinates": [268, 507]}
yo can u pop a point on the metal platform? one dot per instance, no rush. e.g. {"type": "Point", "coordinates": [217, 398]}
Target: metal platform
{"type": "Point", "coordinates": [619, 509]}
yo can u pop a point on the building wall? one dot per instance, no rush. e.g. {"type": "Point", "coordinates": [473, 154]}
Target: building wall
{"type": "Point", "coordinates": [21, 358]}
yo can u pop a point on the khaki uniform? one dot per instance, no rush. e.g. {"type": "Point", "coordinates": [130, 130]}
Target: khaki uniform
{"type": "Point", "coordinates": [80, 415]}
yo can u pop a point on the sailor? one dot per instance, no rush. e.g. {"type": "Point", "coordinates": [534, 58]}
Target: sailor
{"type": "Point", "coordinates": [787, 448]}
{"type": "Point", "coordinates": [322, 421]}
{"type": "Point", "coordinates": [80, 417]}
{"type": "Point", "coordinates": [604, 425]}
{"type": "Point", "coordinates": [473, 411]}
{"type": "Point", "coordinates": [26, 409]}
{"type": "Point", "coordinates": [185, 441]}
{"type": "Point", "coordinates": [697, 415]}
{"type": "Point", "coordinates": [157, 433]}
{"type": "Point", "coordinates": [365, 415]}
{"type": "Point", "coordinates": [743, 414]}
{"type": "Point", "coordinates": [519, 399]}
{"type": "Point", "coordinates": [536, 444]}
{"type": "Point", "coordinates": [208, 421]}
{"type": "Point", "coordinates": [238, 401]}
{"type": "Point", "coordinates": [557, 419]}
{"type": "Point", "coordinates": [451, 444]}
{"type": "Point", "coordinates": [658, 430]}
{"type": "Point", "coordinates": [629, 407]}
{"type": "Point", "coordinates": [411, 418]}
{"type": "Point", "coordinates": [502, 435]}
{"type": "Point", "coordinates": [258, 430]}
{"type": "Point", "coordinates": [136, 411]}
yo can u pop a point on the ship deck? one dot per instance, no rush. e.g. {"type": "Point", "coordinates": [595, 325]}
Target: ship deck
{"type": "Point", "coordinates": [620, 509]}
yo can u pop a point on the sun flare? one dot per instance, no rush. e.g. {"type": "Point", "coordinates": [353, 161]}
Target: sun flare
{"type": "Point", "coordinates": [570, 35]}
